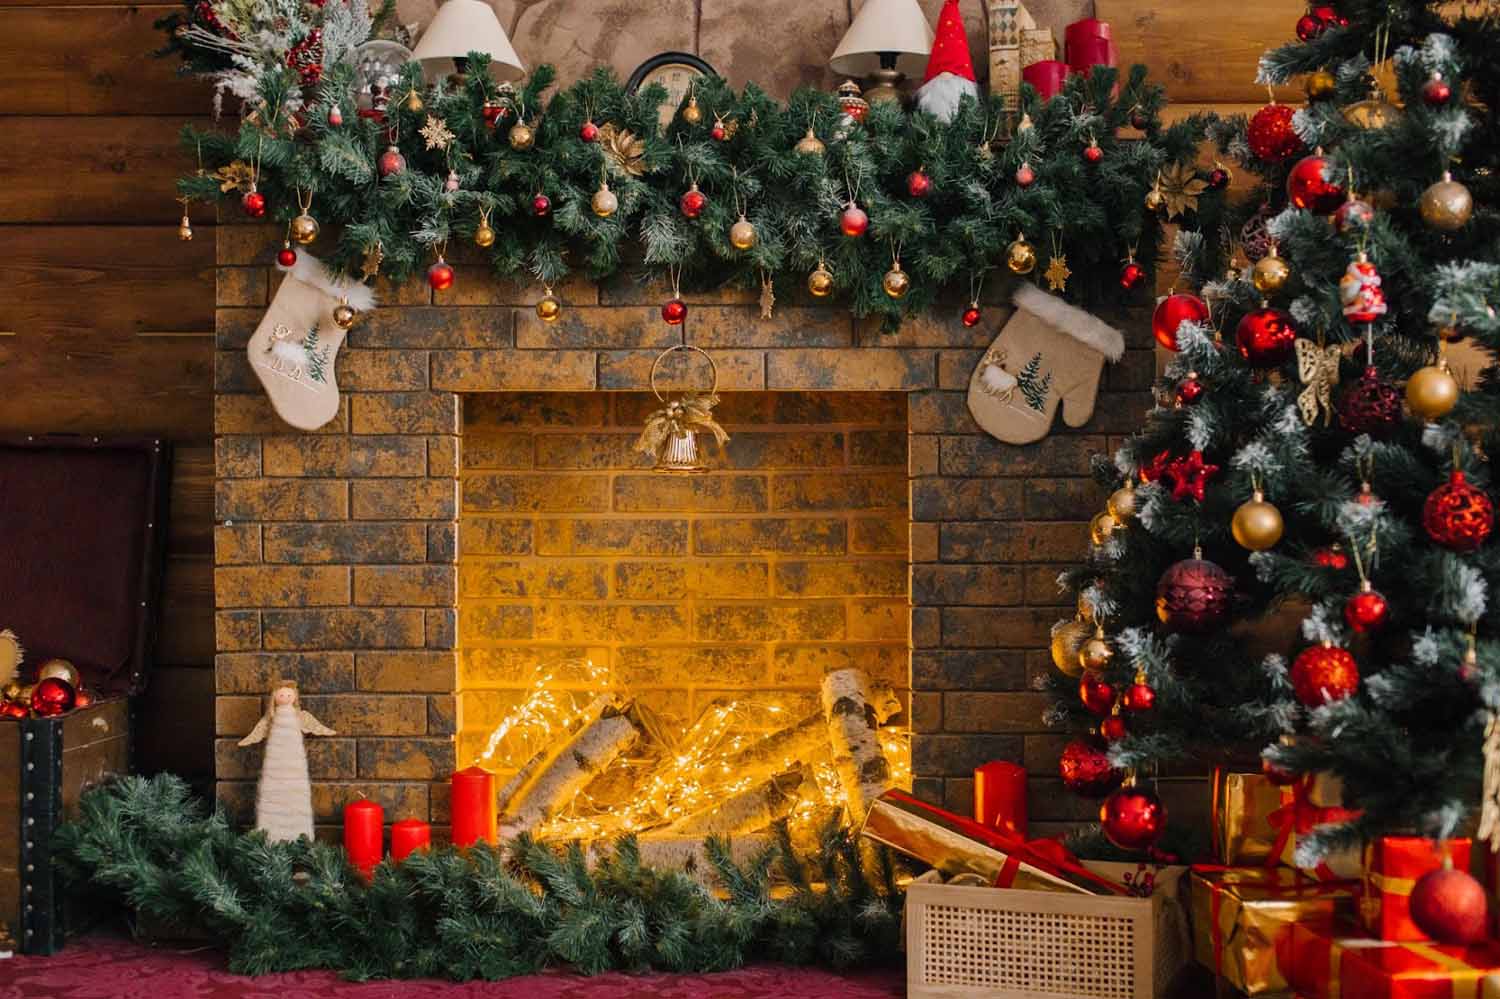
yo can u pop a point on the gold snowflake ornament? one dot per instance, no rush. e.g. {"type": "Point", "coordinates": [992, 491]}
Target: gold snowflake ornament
{"type": "Point", "coordinates": [1180, 186]}
{"type": "Point", "coordinates": [436, 133]}
{"type": "Point", "coordinates": [236, 176]}
{"type": "Point", "coordinates": [1057, 273]}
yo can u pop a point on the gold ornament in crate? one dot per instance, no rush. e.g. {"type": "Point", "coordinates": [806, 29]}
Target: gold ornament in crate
{"type": "Point", "coordinates": [671, 433]}
{"type": "Point", "coordinates": [62, 670]}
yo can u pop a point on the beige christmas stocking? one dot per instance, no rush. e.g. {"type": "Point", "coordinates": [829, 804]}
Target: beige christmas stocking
{"type": "Point", "coordinates": [297, 342]}
{"type": "Point", "coordinates": [1048, 352]}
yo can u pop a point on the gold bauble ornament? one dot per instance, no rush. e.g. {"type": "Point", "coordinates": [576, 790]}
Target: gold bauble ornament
{"type": "Point", "coordinates": [303, 228]}
{"type": "Point", "coordinates": [522, 136]}
{"type": "Point", "coordinates": [1432, 392]}
{"type": "Point", "coordinates": [1321, 85]}
{"type": "Point", "coordinates": [1155, 200]}
{"type": "Point", "coordinates": [604, 202]}
{"type": "Point", "coordinates": [1257, 525]}
{"type": "Point", "coordinates": [1270, 273]}
{"type": "Point", "coordinates": [691, 113]}
{"type": "Point", "coordinates": [12, 692]}
{"type": "Point", "coordinates": [344, 315]}
{"type": "Point", "coordinates": [1020, 256]}
{"type": "Point", "coordinates": [185, 229]}
{"type": "Point", "coordinates": [1102, 526]}
{"type": "Point", "coordinates": [1122, 502]}
{"type": "Point", "coordinates": [742, 235]}
{"type": "Point", "coordinates": [413, 101]}
{"type": "Point", "coordinates": [1096, 653]}
{"type": "Point", "coordinates": [1067, 642]}
{"type": "Point", "coordinates": [896, 281]}
{"type": "Point", "coordinates": [810, 144]}
{"type": "Point", "coordinates": [484, 235]}
{"type": "Point", "coordinates": [549, 308]}
{"type": "Point", "coordinates": [62, 670]}
{"type": "Point", "coordinates": [820, 282]}
{"type": "Point", "coordinates": [1374, 112]}
{"type": "Point", "coordinates": [1447, 205]}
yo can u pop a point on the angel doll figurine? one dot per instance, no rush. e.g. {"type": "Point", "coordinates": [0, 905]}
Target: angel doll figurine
{"type": "Point", "coordinates": [283, 801]}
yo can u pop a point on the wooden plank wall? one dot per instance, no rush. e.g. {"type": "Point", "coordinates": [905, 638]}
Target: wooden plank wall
{"type": "Point", "coordinates": [106, 321]}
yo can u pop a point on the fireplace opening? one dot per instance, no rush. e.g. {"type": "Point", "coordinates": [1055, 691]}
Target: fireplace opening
{"type": "Point", "coordinates": [681, 635]}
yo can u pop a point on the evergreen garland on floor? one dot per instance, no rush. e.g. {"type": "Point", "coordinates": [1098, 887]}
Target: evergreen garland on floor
{"type": "Point", "coordinates": [480, 913]}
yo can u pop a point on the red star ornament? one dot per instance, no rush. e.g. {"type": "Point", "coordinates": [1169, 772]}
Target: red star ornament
{"type": "Point", "coordinates": [1157, 467]}
{"type": "Point", "coordinates": [1190, 476]}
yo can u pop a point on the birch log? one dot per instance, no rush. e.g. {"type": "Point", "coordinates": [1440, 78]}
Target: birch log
{"type": "Point", "coordinates": [558, 779]}
{"type": "Point", "coordinates": [749, 811]}
{"type": "Point", "coordinates": [853, 730]}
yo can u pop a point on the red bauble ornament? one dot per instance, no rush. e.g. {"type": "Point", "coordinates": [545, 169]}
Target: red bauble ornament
{"type": "Point", "coordinates": [391, 162]}
{"type": "Point", "coordinates": [541, 205]}
{"type": "Point", "coordinates": [588, 132]}
{"type": "Point", "coordinates": [1190, 390]}
{"type": "Point", "coordinates": [1218, 179]}
{"type": "Point", "coordinates": [1366, 611]}
{"type": "Point", "coordinates": [1194, 596]}
{"type": "Point", "coordinates": [1131, 275]}
{"type": "Point", "coordinates": [918, 183]}
{"type": "Point", "coordinates": [692, 202]}
{"type": "Point", "coordinates": [1332, 557]}
{"type": "Point", "coordinates": [1171, 312]}
{"type": "Point", "coordinates": [286, 257]}
{"type": "Point", "coordinates": [1096, 693]}
{"type": "Point", "coordinates": [853, 222]}
{"type": "Point", "coordinates": [335, 116]}
{"type": "Point", "coordinates": [1324, 673]}
{"type": "Point", "coordinates": [1353, 215]}
{"type": "Point", "coordinates": [1309, 27]}
{"type": "Point", "coordinates": [1271, 136]}
{"type": "Point", "coordinates": [1450, 906]}
{"type": "Point", "coordinates": [1133, 818]}
{"type": "Point", "coordinates": [52, 696]}
{"type": "Point", "coordinates": [1458, 516]}
{"type": "Point", "coordinates": [82, 698]}
{"type": "Point", "coordinates": [1025, 176]}
{"type": "Point", "coordinates": [1370, 406]}
{"type": "Point", "coordinates": [10, 709]}
{"type": "Point", "coordinates": [1085, 769]}
{"type": "Point", "coordinates": [254, 204]}
{"type": "Point", "coordinates": [1113, 728]}
{"type": "Point", "coordinates": [1436, 92]}
{"type": "Point", "coordinates": [674, 311]}
{"type": "Point", "coordinates": [1266, 337]}
{"type": "Point", "coordinates": [1329, 15]}
{"type": "Point", "coordinates": [1138, 697]}
{"type": "Point", "coordinates": [492, 112]}
{"type": "Point", "coordinates": [1156, 468]}
{"type": "Point", "coordinates": [1307, 188]}
{"type": "Point", "coordinates": [719, 132]}
{"type": "Point", "coordinates": [971, 316]}
{"type": "Point", "coordinates": [440, 276]}
{"type": "Point", "coordinates": [1092, 153]}
{"type": "Point", "coordinates": [1139, 119]}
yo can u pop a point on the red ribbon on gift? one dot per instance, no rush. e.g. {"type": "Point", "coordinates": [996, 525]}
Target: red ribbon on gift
{"type": "Point", "coordinates": [1301, 816]}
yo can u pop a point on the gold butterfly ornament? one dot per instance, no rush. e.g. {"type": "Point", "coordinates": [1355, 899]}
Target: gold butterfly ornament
{"type": "Point", "coordinates": [1318, 370]}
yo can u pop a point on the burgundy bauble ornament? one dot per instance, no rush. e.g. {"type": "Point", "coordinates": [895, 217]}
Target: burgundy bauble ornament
{"type": "Point", "coordinates": [1218, 178]}
{"type": "Point", "coordinates": [1092, 153]}
{"type": "Point", "coordinates": [1370, 406]}
{"type": "Point", "coordinates": [1436, 92]}
{"type": "Point", "coordinates": [853, 222]}
{"type": "Point", "coordinates": [1324, 673]}
{"type": "Point", "coordinates": [1139, 119]}
{"type": "Point", "coordinates": [1307, 187]}
{"type": "Point", "coordinates": [1266, 337]}
{"type": "Point", "coordinates": [1025, 176]}
{"type": "Point", "coordinates": [254, 204]}
{"type": "Point", "coordinates": [286, 257]}
{"type": "Point", "coordinates": [52, 696]}
{"type": "Point", "coordinates": [1139, 697]}
{"type": "Point", "coordinates": [1096, 693]}
{"type": "Point", "coordinates": [1171, 312]}
{"type": "Point", "coordinates": [692, 202]}
{"type": "Point", "coordinates": [1331, 557]}
{"type": "Point", "coordinates": [541, 205]}
{"type": "Point", "coordinates": [1131, 274]}
{"type": "Point", "coordinates": [971, 316]}
{"type": "Point", "coordinates": [1085, 769]}
{"type": "Point", "coordinates": [1113, 728]}
{"type": "Point", "coordinates": [1133, 818]}
{"type": "Point", "coordinates": [1450, 906]}
{"type": "Point", "coordinates": [492, 112]}
{"type": "Point", "coordinates": [1458, 516]}
{"type": "Point", "coordinates": [1271, 136]}
{"type": "Point", "coordinates": [440, 275]}
{"type": "Point", "coordinates": [1194, 595]}
{"type": "Point", "coordinates": [391, 162]}
{"type": "Point", "coordinates": [1354, 215]}
{"type": "Point", "coordinates": [918, 183]}
{"type": "Point", "coordinates": [588, 132]}
{"type": "Point", "coordinates": [1366, 611]}
{"type": "Point", "coordinates": [1309, 27]}
{"type": "Point", "coordinates": [1190, 389]}
{"type": "Point", "coordinates": [674, 311]}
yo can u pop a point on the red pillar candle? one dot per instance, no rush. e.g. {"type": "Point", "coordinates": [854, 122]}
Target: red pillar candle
{"type": "Point", "coordinates": [1046, 76]}
{"type": "Point", "coordinates": [408, 835]}
{"type": "Point", "coordinates": [1000, 796]}
{"type": "Point", "coordinates": [363, 820]}
{"type": "Point", "coordinates": [1086, 38]}
{"type": "Point", "coordinates": [473, 807]}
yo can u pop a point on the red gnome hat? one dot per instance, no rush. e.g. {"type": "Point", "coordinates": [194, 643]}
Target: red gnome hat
{"type": "Point", "coordinates": [950, 71]}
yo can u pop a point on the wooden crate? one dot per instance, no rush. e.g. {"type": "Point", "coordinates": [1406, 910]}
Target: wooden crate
{"type": "Point", "coordinates": [1001, 943]}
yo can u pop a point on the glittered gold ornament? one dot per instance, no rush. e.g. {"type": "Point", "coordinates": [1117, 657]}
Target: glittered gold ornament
{"type": "Point", "coordinates": [1320, 85]}
{"type": "Point", "coordinates": [13, 692]}
{"type": "Point", "coordinates": [1102, 526]}
{"type": "Point", "coordinates": [691, 113]}
{"type": "Point", "coordinates": [1432, 392]}
{"type": "Point", "coordinates": [484, 235]}
{"type": "Point", "coordinates": [1257, 525]}
{"type": "Point", "coordinates": [11, 655]}
{"type": "Point", "coordinates": [1270, 273]}
{"type": "Point", "coordinates": [522, 136]}
{"type": "Point", "coordinates": [604, 203]}
{"type": "Point", "coordinates": [1067, 642]}
{"type": "Point", "coordinates": [304, 228]}
{"type": "Point", "coordinates": [742, 235]}
{"type": "Point", "coordinates": [1096, 652]}
{"type": "Point", "coordinates": [344, 315]}
{"type": "Point", "coordinates": [1122, 502]}
{"type": "Point", "coordinates": [548, 308]}
{"type": "Point", "coordinates": [820, 281]}
{"type": "Point", "coordinates": [896, 281]}
{"type": "Point", "coordinates": [1447, 205]}
{"type": "Point", "coordinates": [1374, 112]}
{"type": "Point", "coordinates": [1020, 256]}
{"type": "Point", "coordinates": [810, 144]}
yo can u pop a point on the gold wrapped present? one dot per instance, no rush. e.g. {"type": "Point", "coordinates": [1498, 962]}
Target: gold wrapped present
{"type": "Point", "coordinates": [1256, 822]}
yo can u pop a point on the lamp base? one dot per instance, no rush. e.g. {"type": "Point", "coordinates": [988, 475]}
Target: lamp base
{"type": "Point", "coordinates": [883, 86]}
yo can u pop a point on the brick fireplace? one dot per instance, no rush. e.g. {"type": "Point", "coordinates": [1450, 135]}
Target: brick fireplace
{"type": "Point", "coordinates": [474, 505]}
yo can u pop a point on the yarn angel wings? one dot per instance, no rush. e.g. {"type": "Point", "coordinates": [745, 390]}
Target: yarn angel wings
{"type": "Point", "coordinates": [259, 732]}
{"type": "Point", "coordinates": [312, 726]}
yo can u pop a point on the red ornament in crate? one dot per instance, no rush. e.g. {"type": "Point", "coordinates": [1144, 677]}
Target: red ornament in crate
{"type": "Point", "coordinates": [1133, 818]}
{"type": "Point", "coordinates": [1096, 693]}
{"type": "Point", "coordinates": [1266, 337]}
{"type": "Point", "coordinates": [1271, 136]}
{"type": "Point", "coordinates": [1324, 673]}
{"type": "Point", "coordinates": [1085, 769]}
{"type": "Point", "coordinates": [1171, 312]}
{"type": "Point", "coordinates": [1450, 906]}
{"type": "Point", "coordinates": [1308, 188]}
{"type": "Point", "coordinates": [1194, 595]}
{"type": "Point", "coordinates": [1458, 516]}
{"type": "Point", "coordinates": [53, 696]}
{"type": "Point", "coordinates": [1370, 406]}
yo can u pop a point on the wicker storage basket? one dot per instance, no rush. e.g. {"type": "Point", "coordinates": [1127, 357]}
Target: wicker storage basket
{"type": "Point", "coordinates": [1000, 943]}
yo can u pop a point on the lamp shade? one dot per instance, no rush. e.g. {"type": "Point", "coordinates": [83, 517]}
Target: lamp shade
{"type": "Point", "coordinates": [464, 26]}
{"type": "Point", "coordinates": [884, 26]}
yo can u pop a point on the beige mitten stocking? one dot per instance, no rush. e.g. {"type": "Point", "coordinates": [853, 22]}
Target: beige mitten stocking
{"type": "Point", "coordinates": [296, 344]}
{"type": "Point", "coordinates": [1048, 352]}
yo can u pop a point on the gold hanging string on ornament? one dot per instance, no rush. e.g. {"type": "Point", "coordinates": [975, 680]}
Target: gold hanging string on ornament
{"type": "Point", "coordinates": [976, 285]}
{"type": "Point", "coordinates": [852, 187]}
{"type": "Point", "coordinates": [896, 254]}
{"type": "Point", "coordinates": [674, 274]}
{"type": "Point", "coordinates": [304, 203]}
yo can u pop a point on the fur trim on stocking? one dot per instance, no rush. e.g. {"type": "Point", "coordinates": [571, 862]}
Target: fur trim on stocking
{"type": "Point", "coordinates": [1070, 320]}
{"type": "Point", "coordinates": [310, 269]}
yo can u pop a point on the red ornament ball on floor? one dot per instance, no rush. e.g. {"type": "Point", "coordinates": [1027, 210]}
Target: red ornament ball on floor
{"type": "Point", "coordinates": [1194, 596]}
{"type": "Point", "coordinates": [1266, 337]}
{"type": "Point", "coordinates": [440, 276]}
{"type": "Point", "coordinates": [1366, 611]}
{"type": "Point", "coordinates": [1133, 818]}
{"type": "Point", "coordinates": [1271, 136]}
{"type": "Point", "coordinates": [1085, 769]}
{"type": "Point", "coordinates": [1324, 673]}
{"type": "Point", "coordinates": [1096, 693]}
{"type": "Point", "coordinates": [1450, 906]}
{"type": "Point", "coordinates": [674, 311]}
{"type": "Point", "coordinates": [971, 316]}
{"type": "Point", "coordinates": [1131, 275]}
{"type": "Point", "coordinates": [1458, 516]}
{"type": "Point", "coordinates": [1308, 188]}
{"type": "Point", "coordinates": [254, 204]}
{"type": "Point", "coordinates": [52, 696]}
{"type": "Point", "coordinates": [1171, 312]}
{"type": "Point", "coordinates": [541, 205]}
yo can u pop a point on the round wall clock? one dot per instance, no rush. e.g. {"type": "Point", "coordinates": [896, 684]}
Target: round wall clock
{"type": "Point", "coordinates": [674, 70]}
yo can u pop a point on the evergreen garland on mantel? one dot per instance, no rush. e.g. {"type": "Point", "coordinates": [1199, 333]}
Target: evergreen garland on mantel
{"type": "Point", "coordinates": [1093, 212]}
{"type": "Point", "coordinates": [477, 913]}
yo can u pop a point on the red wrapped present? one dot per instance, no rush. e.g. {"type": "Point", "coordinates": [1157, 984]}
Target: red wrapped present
{"type": "Point", "coordinates": [1257, 822]}
{"type": "Point", "coordinates": [1392, 866]}
{"type": "Point", "coordinates": [956, 845]}
{"type": "Point", "coordinates": [1335, 959]}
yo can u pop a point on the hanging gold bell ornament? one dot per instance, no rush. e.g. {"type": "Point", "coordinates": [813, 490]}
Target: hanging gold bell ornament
{"type": "Point", "coordinates": [344, 314]}
{"type": "Point", "coordinates": [604, 202]}
{"type": "Point", "coordinates": [1102, 526]}
{"type": "Point", "coordinates": [548, 308]}
{"type": "Point", "coordinates": [1447, 205]}
{"type": "Point", "coordinates": [1020, 256]}
{"type": "Point", "coordinates": [742, 235]}
{"type": "Point", "coordinates": [1096, 652]}
{"type": "Point", "coordinates": [810, 144]}
{"type": "Point", "coordinates": [671, 432]}
{"type": "Point", "coordinates": [1257, 525]}
{"type": "Point", "coordinates": [820, 281]}
{"type": "Point", "coordinates": [896, 281]}
{"type": "Point", "coordinates": [1432, 392]}
{"type": "Point", "coordinates": [303, 228]}
{"type": "Point", "coordinates": [1270, 273]}
{"type": "Point", "coordinates": [522, 137]}
{"type": "Point", "coordinates": [1067, 642]}
{"type": "Point", "coordinates": [1122, 502]}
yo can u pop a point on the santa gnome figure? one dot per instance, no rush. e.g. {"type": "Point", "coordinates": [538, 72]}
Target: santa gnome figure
{"type": "Point", "coordinates": [950, 70]}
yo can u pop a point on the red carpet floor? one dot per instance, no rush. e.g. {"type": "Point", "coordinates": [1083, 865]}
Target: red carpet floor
{"type": "Point", "coordinates": [111, 968]}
